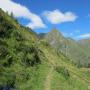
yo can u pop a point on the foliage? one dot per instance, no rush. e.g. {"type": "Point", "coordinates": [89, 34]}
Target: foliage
{"type": "Point", "coordinates": [63, 71]}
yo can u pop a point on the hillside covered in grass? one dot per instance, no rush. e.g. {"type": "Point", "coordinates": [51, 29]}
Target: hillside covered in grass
{"type": "Point", "coordinates": [77, 51]}
{"type": "Point", "coordinates": [27, 63]}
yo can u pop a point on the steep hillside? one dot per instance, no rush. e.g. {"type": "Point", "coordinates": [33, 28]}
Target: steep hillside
{"type": "Point", "coordinates": [69, 47]}
{"type": "Point", "coordinates": [85, 44]}
{"type": "Point", "coordinates": [27, 63]}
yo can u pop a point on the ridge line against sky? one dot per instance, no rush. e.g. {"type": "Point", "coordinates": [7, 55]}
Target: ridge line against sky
{"type": "Point", "coordinates": [47, 18]}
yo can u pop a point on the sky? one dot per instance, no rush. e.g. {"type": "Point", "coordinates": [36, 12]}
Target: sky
{"type": "Point", "coordinates": [70, 17]}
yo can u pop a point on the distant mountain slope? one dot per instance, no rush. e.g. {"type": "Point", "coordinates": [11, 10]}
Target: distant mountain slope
{"type": "Point", "coordinates": [27, 63]}
{"type": "Point", "coordinates": [55, 38]}
{"type": "Point", "coordinates": [41, 35]}
{"type": "Point", "coordinates": [85, 43]}
{"type": "Point", "coordinates": [69, 47]}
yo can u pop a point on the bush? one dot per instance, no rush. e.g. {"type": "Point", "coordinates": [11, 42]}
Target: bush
{"type": "Point", "coordinates": [3, 43]}
{"type": "Point", "coordinates": [32, 59]}
{"type": "Point", "coordinates": [4, 32]}
{"type": "Point", "coordinates": [30, 55]}
{"type": "Point", "coordinates": [17, 35]}
{"type": "Point", "coordinates": [6, 26]}
{"type": "Point", "coordinates": [8, 62]}
{"type": "Point", "coordinates": [63, 71]}
{"type": "Point", "coordinates": [3, 52]}
{"type": "Point", "coordinates": [8, 81]}
{"type": "Point", "coordinates": [24, 48]}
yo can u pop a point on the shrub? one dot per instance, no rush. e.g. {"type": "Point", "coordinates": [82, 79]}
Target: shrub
{"type": "Point", "coordinates": [6, 26]}
{"type": "Point", "coordinates": [8, 61]}
{"type": "Point", "coordinates": [31, 59]}
{"type": "Point", "coordinates": [3, 43]}
{"type": "Point", "coordinates": [30, 54]}
{"type": "Point", "coordinates": [3, 52]}
{"type": "Point", "coordinates": [8, 81]}
{"type": "Point", "coordinates": [24, 48]}
{"type": "Point", "coordinates": [62, 70]}
{"type": "Point", "coordinates": [4, 32]}
{"type": "Point", "coordinates": [17, 35]}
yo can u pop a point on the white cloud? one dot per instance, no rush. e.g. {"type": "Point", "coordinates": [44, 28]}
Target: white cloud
{"type": "Point", "coordinates": [57, 16]}
{"type": "Point", "coordinates": [84, 36]}
{"type": "Point", "coordinates": [21, 11]}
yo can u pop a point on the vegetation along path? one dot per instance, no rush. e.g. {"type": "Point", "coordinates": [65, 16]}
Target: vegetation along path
{"type": "Point", "coordinates": [48, 80]}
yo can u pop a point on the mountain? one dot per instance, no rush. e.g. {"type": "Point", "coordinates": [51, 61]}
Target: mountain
{"type": "Point", "coordinates": [85, 43]}
{"type": "Point", "coordinates": [71, 48]}
{"type": "Point", "coordinates": [27, 63]}
{"type": "Point", "coordinates": [54, 38]}
{"type": "Point", "coordinates": [41, 35]}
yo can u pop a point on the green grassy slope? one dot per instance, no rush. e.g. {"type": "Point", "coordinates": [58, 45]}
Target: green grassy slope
{"type": "Point", "coordinates": [63, 74]}
{"type": "Point", "coordinates": [85, 44]}
{"type": "Point", "coordinates": [27, 63]}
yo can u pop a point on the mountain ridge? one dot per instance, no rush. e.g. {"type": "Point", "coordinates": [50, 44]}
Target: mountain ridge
{"type": "Point", "coordinates": [72, 48]}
